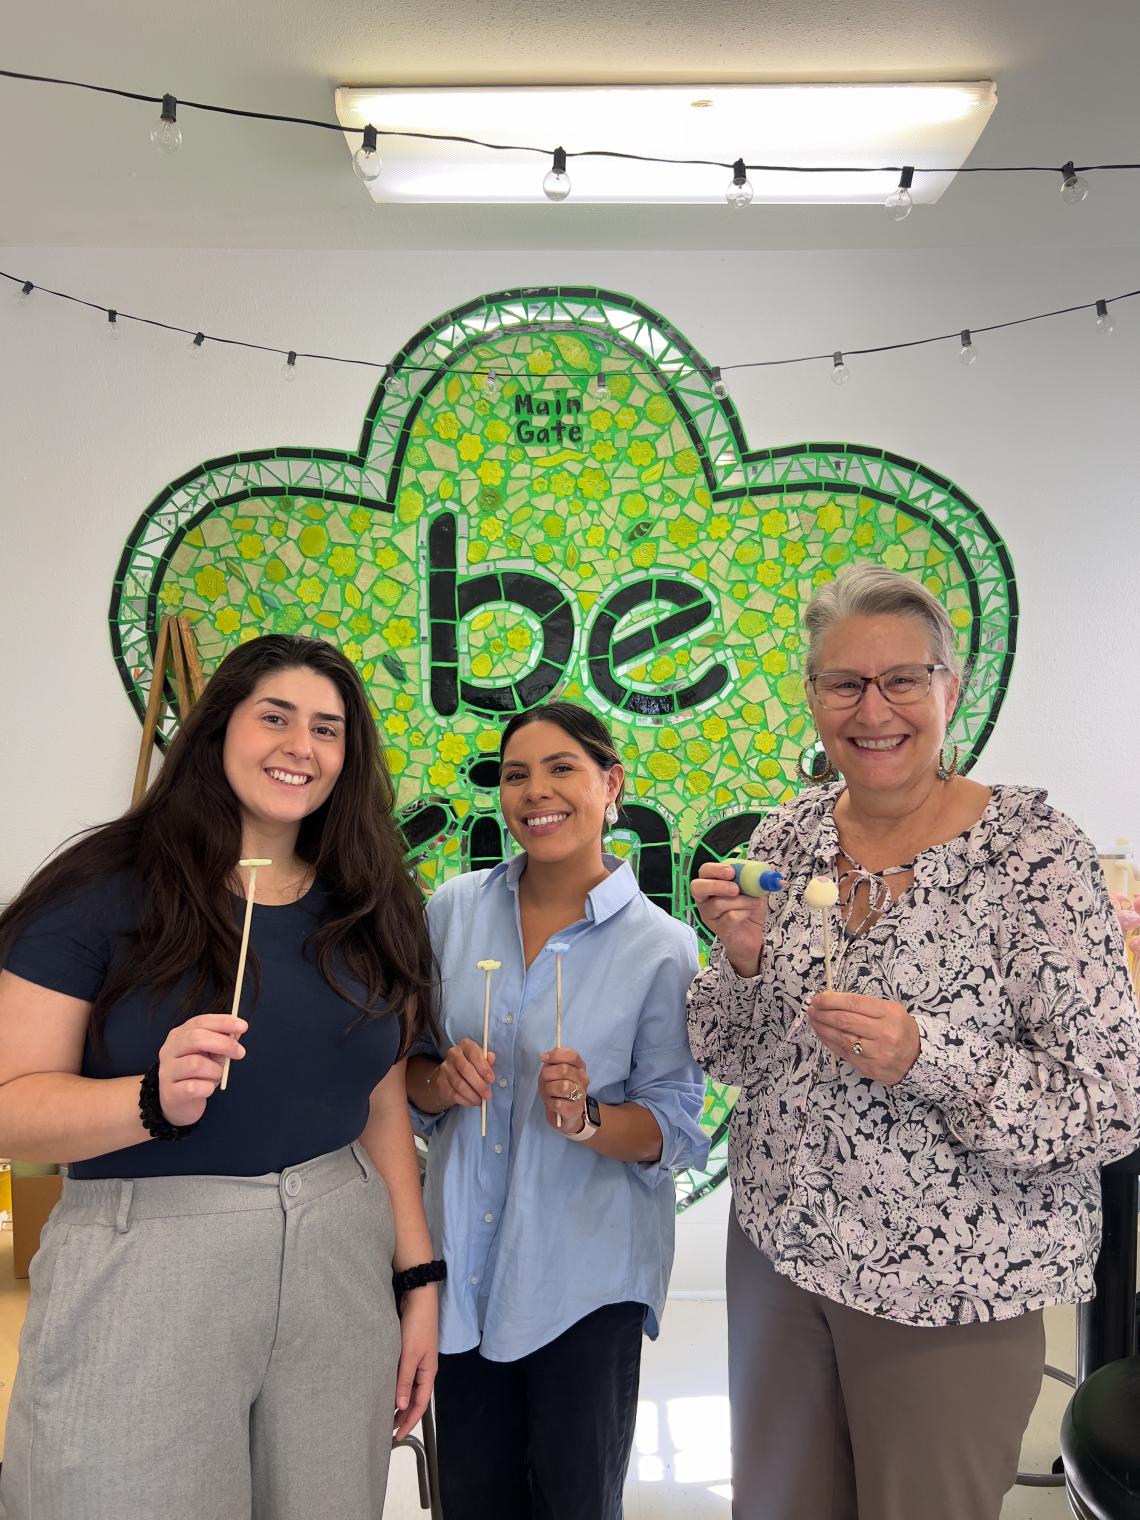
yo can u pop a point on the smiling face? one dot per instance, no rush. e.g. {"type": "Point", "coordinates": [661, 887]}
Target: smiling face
{"type": "Point", "coordinates": [553, 793]}
{"type": "Point", "coordinates": [284, 747]}
{"type": "Point", "coordinates": [879, 747]}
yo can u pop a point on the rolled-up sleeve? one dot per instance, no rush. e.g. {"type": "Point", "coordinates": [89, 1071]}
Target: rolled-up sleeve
{"type": "Point", "coordinates": [664, 1078]}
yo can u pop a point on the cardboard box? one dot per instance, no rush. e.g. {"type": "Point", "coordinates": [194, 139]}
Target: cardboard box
{"type": "Point", "coordinates": [33, 1199]}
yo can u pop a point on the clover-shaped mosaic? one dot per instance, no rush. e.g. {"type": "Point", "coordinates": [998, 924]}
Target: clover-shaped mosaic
{"type": "Point", "coordinates": [509, 529]}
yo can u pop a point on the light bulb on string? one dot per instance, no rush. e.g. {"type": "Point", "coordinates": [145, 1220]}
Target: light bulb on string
{"type": "Point", "coordinates": [1104, 323]}
{"type": "Point", "coordinates": [367, 164]}
{"type": "Point", "coordinates": [967, 353]}
{"type": "Point", "coordinates": [718, 387]}
{"type": "Point", "coordinates": [24, 298]}
{"type": "Point", "coordinates": [113, 328]}
{"type": "Point", "coordinates": [900, 202]}
{"type": "Point", "coordinates": [166, 134]}
{"type": "Point", "coordinates": [603, 383]}
{"type": "Point", "coordinates": [289, 368]}
{"type": "Point", "coordinates": [491, 384]}
{"type": "Point", "coordinates": [197, 344]}
{"type": "Point", "coordinates": [739, 191]}
{"type": "Point", "coordinates": [1074, 186]}
{"type": "Point", "coordinates": [556, 185]}
{"type": "Point", "coordinates": [840, 374]}
{"type": "Point", "coordinates": [393, 381]}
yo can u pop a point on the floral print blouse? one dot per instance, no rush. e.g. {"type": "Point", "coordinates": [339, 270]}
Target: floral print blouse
{"type": "Point", "coordinates": [969, 1190]}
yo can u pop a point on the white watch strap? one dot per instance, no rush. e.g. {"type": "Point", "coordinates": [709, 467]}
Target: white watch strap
{"type": "Point", "coordinates": [585, 1132]}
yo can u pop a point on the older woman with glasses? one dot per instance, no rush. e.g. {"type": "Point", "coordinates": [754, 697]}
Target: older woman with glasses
{"type": "Point", "coordinates": [915, 1154]}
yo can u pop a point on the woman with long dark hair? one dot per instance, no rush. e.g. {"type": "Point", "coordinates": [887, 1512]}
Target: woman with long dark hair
{"type": "Point", "coordinates": [557, 1224]}
{"type": "Point", "coordinates": [214, 1329]}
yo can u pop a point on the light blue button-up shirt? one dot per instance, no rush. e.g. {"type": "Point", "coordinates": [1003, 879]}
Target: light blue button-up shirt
{"type": "Point", "coordinates": [538, 1231]}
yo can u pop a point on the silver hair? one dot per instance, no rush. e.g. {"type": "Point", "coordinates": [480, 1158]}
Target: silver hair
{"type": "Point", "coordinates": [867, 590]}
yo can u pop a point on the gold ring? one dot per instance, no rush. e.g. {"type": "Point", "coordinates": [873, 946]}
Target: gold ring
{"type": "Point", "coordinates": [575, 1093]}
{"type": "Point", "coordinates": [857, 1049]}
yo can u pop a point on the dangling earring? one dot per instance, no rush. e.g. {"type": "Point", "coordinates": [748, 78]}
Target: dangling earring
{"type": "Point", "coordinates": [611, 814]}
{"type": "Point", "coordinates": [946, 771]}
{"type": "Point", "coordinates": [815, 765]}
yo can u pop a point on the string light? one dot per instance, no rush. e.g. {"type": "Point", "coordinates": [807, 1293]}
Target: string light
{"type": "Point", "coordinates": [556, 185]}
{"type": "Point", "coordinates": [1104, 323]}
{"type": "Point", "coordinates": [719, 389]}
{"type": "Point", "coordinates": [967, 353]}
{"type": "Point", "coordinates": [1074, 186]}
{"type": "Point", "coordinates": [840, 374]}
{"type": "Point", "coordinates": [289, 368]}
{"type": "Point", "coordinates": [367, 164]}
{"type": "Point", "coordinates": [396, 380]}
{"type": "Point", "coordinates": [197, 345]}
{"type": "Point", "coordinates": [113, 328]}
{"type": "Point", "coordinates": [739, 192]}
{"type": "Point", "coordinates": [603, 384]}
{"type": "Point", "coordinates": [166, 134]}
{"type": "Point", "coordinates": [900, 202]}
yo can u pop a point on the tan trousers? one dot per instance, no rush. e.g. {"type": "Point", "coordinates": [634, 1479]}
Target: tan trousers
{"type": "Point", "coordinates": [838, 1415]}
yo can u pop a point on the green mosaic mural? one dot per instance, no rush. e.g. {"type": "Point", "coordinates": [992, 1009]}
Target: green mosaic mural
{"type": "Point", "coordinates": [550, 500]}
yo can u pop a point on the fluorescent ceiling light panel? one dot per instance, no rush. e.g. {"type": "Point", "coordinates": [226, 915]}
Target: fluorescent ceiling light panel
{"type": "Point", "coordinates": [856, 124]}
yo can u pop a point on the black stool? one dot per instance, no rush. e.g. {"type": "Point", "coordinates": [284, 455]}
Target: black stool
{"type": "Point", "coordinates": [1107, 1324]}
{"type": "Point", "coordinates": [1100, 1444]}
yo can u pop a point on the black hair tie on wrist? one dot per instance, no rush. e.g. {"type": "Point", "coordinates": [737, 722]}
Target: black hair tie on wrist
{"type": "Point", "coordinates": [155, 1122]}
{"type": "Point", "coordinates": [418, 1277]}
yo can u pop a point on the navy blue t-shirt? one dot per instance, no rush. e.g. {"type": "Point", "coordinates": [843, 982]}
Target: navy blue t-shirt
{"type": "Point", "coordinates": [301, 1091]}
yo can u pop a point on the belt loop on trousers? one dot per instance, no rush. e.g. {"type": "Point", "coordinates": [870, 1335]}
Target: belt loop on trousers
{"type": "Point", "coordinates": [126, 1193]}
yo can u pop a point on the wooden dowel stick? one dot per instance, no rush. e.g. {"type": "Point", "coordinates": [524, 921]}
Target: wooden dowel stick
{"type": "Point", "coordinates": [486, 967]}
{"type": "Point", "coordinates": [558, 1013]}
{"type": "Point", "coordinates": [251, 866]}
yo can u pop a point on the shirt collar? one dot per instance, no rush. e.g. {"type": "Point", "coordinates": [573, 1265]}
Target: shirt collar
{"type": "Point", "coordinates": [602, 902]}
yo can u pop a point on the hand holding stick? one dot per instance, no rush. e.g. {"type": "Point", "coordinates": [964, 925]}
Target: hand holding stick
{"type": "Point", "coordinates": [558, 947]}
{"type": "Point", "coordinates": [487, 967]}
{"type": "Point", "coordinates": [251, 866]}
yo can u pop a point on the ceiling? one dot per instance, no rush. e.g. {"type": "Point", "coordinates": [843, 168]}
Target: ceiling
{"type": "Point", "coordinates": [78, 169]}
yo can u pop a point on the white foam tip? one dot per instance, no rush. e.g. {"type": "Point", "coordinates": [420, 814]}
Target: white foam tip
{"type": "Point", "coordinates": [821, 893]}
{"type": "Point", "coordinates": [487, 965]}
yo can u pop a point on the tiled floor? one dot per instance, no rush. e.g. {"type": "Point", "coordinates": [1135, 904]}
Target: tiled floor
{"type": "Point", "coordinates": [680, 1467]}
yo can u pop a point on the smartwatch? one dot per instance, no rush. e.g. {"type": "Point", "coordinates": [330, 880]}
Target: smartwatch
{"type": "Point", "coordinates": [593, 1121]}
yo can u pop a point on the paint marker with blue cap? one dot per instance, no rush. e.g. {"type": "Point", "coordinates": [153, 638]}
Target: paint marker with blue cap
{"type": "Point", "coordinates": [756, 877]}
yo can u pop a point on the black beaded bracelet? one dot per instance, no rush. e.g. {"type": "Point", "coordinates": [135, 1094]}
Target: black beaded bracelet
{"type": "Point", "coordinates": [418, 1277]}
{"type": "Point", "coordinates": [155, 1122]}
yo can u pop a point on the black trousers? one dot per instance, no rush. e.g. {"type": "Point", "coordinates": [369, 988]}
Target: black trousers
{"type": "Point", "coordinates": [547, 1437]}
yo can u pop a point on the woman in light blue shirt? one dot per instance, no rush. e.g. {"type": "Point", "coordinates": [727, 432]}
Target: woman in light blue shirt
{"type": "Point", "coordinates": [557, 1227]}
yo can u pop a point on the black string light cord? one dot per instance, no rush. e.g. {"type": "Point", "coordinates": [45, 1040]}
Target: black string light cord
{"type": "Point", "coordinates": [643, 158]}
{"type": "Point", "coordinates": [27, 288]}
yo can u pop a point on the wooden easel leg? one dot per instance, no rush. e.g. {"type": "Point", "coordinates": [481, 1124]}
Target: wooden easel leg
{"type": "Point", "coordinates": [153, 708]}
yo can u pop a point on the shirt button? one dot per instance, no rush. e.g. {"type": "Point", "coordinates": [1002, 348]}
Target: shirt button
{"type": "Point", "coordinates": [502, 1081]}
{"type": "Point", "coordinates": [292, 1184]}
{"type": "Point", "coordinates": [498, 1150]}
{"type": "Point", "coordinates": [473, 1279]}
{"type": "Point", "coordinates": [488, 1218]}
{"type": "Point", "coordinates": [509, 1018]}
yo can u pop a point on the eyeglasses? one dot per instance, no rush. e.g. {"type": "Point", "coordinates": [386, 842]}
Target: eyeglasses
{"type": "Point", "coordinates": [900, 686]}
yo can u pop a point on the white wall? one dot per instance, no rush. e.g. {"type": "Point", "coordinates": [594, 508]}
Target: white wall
{"type": "Point", "coordinates": [1040, 432]}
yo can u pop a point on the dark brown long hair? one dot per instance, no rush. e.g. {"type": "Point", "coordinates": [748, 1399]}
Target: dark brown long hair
{"type": "Point", "coordinates": [181, 845]}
